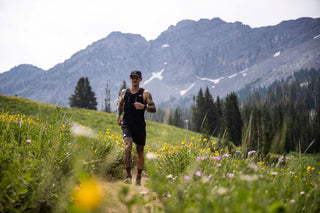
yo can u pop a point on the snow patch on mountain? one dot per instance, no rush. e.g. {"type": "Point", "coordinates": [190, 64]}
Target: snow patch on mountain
{"type": "Point", "coordinates": [317, 36]}
{"type": "Point", "coordinates": [215, 81]}
{"type": "Point", "coordinates": [243, 71]}
{"type": "Point", "coordinates": [155, 75]}
{"type": "Point", "coordinates": [276, 54]}
{"type": "Point", "coordinates": [232, 76]}
{"type": "Point", "coordinates": [183, 92]}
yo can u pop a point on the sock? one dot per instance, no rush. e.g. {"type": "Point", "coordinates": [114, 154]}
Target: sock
{"type": "Point", "coordinates": [128, 170]}
{"type": "Point", "coordinates": [139, 172]}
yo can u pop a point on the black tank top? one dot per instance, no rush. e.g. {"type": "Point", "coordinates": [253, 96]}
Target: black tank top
{"type": "Point", "coordinates": [133, 117]}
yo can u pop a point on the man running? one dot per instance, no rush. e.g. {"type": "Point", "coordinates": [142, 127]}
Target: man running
{"type": "Point", "coordinates": [134, 102]}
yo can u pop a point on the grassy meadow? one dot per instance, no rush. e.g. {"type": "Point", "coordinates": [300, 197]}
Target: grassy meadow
{"type": "Point", "coordinates": [55, 159]}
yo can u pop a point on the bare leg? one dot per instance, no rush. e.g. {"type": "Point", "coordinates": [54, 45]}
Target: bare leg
{"type": "Point", "coordinates": [140, 156]}
{"type": "Point", "coordinates": [127, 152]}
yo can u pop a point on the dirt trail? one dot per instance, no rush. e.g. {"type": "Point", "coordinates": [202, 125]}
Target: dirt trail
{"type": "Point", "coordinates": [147, 200]}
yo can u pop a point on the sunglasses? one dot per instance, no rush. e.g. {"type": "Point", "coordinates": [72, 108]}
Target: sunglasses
{"type": "Point", "coordinates": [135, 77]}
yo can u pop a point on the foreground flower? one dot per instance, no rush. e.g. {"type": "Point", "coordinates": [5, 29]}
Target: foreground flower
{"type": "Point", "coordinates": [280, 159]}
{"type": "Point", "coordinates": [89, 194]}
{"type": "Point", "coordinates": [169, 176]}
{"type": "Point", "coordinates": [251, 152]}
{"type": "Point", "coordinates": [151, 155]}
{"type": "Point", "coordinates": [201, 158]}
{"type": "Point", "coordinates": [198, 173]}
{"type": "Point", "coordinates": [230, 175]}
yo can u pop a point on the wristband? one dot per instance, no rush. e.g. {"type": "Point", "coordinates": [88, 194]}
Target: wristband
{"type": "Point", "coordinates": [146, 106]}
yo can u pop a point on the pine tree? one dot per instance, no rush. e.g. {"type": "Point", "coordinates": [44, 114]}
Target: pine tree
{"type": "Point", "coordinates": [232, 118]}
{"type": "Point", "coordinates": [198, 112]}
{"type": "Point", "coordinates": [83, 96]}
{"type": "Point", "coordinates": [211, 114]}
{"type": "Point", "coordinates": [176, 119]}
{"type": "Point", "coordinates": [220, 125]}
{"type": "Point", "coordinates": [124, 86]}
{"type": "Point", "coordinates": [107, 100]}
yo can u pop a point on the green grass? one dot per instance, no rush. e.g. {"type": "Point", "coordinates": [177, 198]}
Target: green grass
{"type": "Point", "coordinates": [44, 167]}
{"type": "Point", "coordinates": [96, 120]}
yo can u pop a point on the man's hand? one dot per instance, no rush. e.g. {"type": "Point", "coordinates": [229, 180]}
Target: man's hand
{"type": "Point", "coordinates": [139, 105]}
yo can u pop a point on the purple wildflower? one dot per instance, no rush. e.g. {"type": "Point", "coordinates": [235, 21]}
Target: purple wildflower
{"type": "Point", "coordinates": [198, 173]}
{"type": "Point", "coordinates": [231, 175]}
{"type": "Point", "coordinates": [201, 158]}
{"type": "Point", "coordinates": [251, 152]}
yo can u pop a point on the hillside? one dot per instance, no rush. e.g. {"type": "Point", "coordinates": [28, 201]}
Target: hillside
{"type": "Point", "coordinates": [95, 120]}
{"type": "Point", "coordinates": [189, 55]}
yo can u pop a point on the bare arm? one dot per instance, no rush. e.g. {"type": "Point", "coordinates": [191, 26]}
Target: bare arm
{"type": "Point", "coordinates": [151, 107]}
{"type": "Point", "coordinates": [120, 107]}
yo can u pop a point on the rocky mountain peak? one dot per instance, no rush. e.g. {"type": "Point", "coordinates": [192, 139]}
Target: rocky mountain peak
{"type": "Point", "coordinates": [190, 55]}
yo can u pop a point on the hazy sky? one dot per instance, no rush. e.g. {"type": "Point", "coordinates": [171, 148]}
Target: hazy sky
{"type": "Point", "coordinates": [47, 32]}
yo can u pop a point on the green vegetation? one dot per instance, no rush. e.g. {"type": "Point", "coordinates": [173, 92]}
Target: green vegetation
{"type": "Point", "coordinates": [97, 121]}
{"type": "Point", "coordinates": [55, 159]}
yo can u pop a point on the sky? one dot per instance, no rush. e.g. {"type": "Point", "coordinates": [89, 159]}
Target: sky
{"type": "Point", "coordinates": [47, 32]}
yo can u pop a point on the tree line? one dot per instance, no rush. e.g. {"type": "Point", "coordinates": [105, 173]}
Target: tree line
{"type": "Point", "coordinates": [281, 118]}
{"type": "Point", "coordinates": [285, 117]}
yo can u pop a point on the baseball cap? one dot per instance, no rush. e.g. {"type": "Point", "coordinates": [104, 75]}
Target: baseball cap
{"type": "Point", "coordinates": [136, 73]}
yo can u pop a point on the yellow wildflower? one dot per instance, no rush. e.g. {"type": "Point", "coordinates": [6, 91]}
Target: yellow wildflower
{"type": "Point", "coordinates": [89, 195]}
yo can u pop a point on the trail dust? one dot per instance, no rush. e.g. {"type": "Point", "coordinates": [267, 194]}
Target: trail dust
{"type": "Point", "coordinates": [122, 195]}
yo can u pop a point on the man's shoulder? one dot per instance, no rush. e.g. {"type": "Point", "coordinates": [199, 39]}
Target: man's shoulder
{"type": "Point", "coordinates": [144, 90]}
{"type": "Point", "coordinates": [123, 91]}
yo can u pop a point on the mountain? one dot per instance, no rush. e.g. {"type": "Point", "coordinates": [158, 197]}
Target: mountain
{"type": "Point", "coordinates": [189, 55]}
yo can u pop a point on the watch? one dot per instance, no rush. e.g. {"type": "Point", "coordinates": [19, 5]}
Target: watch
{"type": "Point", "coordinates": [146, 106]}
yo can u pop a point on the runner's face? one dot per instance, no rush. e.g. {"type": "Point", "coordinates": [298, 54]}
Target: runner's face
{"type": "Point", "coordinates": [135, 80]}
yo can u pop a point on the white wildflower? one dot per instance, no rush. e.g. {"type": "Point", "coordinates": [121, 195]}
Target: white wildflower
{"type": "Point", "coordinates": [151, 155]}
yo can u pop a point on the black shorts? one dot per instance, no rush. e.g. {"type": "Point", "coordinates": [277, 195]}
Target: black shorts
{"type": "Point", "coordinates": [138, 135]}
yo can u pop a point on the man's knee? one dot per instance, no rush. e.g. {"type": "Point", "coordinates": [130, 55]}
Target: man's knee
{"type": "Point", "coordinates": [128, 141]}
{"type": "Point", "coordinates": [139, 148]}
